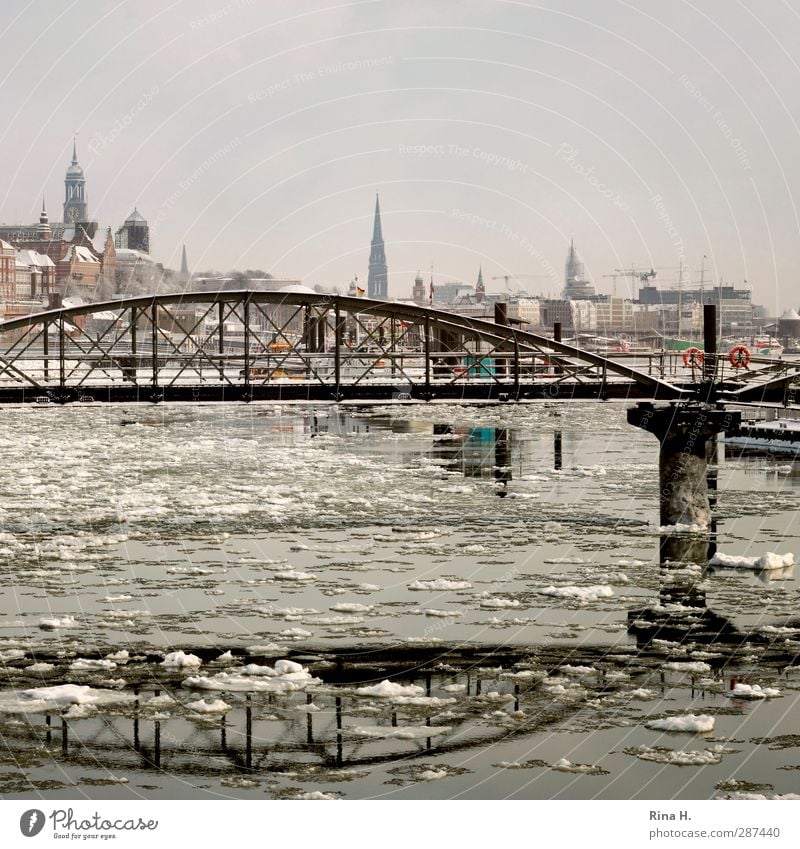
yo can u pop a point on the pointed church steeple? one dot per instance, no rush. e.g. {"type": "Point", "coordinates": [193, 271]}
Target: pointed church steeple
{"type": "Point", "coordinates": [377, 281]}
{"type": "Point", "coordinates": [43, 227]}
{"type": "Point", "coordinates": [480, 289]}
{"type": "Point", "coordinates": [184, 264]}
{"type": "Point", "coordinates": [74, 151]}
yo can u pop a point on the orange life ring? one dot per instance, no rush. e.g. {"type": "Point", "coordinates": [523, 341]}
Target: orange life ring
{"type": "Point", "coordinates": [739, 357]}
{"type": "Point", "coordinates": [693, 358]}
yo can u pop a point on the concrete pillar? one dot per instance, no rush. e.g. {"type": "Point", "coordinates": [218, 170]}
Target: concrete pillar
{"type": "Point", "coordinates": [683, 432]}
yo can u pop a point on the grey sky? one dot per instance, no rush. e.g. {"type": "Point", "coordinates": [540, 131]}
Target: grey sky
{"type": "Point", "coordinates": [258, 132]}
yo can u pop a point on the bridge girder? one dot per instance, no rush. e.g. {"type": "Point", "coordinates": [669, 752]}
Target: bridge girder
{"type": "Point", "coordinates": [51, 351]}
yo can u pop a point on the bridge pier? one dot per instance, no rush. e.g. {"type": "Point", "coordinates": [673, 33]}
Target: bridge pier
{"type": "Point", "coordinates": [684, 434]}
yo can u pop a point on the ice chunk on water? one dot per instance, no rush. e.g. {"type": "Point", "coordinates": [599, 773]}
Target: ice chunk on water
{"type": "Point", "coordinates": [579, 593]}
{"type": "Point", "coordinates": [180, 660]}
{"type": "Point", "coordinates": [754, 691]}
{"type": "Point", "coordinates": [215, 706]}
{"type": "Point", "coordinates": [389, 689]}
{"type": "Point", "coordinates": [700, 724]}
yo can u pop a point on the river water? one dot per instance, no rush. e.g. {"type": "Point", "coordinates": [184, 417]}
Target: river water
{"type": "Point", "coordinates": [499, 566]}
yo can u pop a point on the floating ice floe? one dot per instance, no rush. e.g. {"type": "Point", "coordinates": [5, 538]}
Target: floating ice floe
{"type": "Point", "coordinates": [564, 765]}
{"type": "Point", "coordinates": [215, 706]}
{"type": "Point", "coordinates": [40, 667]}
{"type": "Point", "coordinates": [54, 623]}
{"type": "Point", "coordinates": [406, 732]}
{"type": "Point", "coordinates": [579, 593]}
{"type": "Point", "coordinates": [180, 660]}
{"type": "Point", "coordinates": [442, 614]}
{"type": "Point", "coordinates": [682, 528]}
{"type": "Point", "coordinates": [499, 603]}
{"type": "Point", "coordinates": [353, 607]}
{"type": "Point", "coordinates": [296, 634]}
{"type": "Point", "coordinates": [754, 691]}
{"type": "Point", "coordinates": [700, 724]}
{"type": "Point", "coordinates": [642, 694]}
{"type": "Point", "coordinates": [89, 665]}
{"type": "Point", "coordinates": [440, 584]}
{"type": "Point", "coordinates": [121, 656]}
{"type": "Point", "coordinates": [695, 667]}
{"type": "Point", "coordinates": [295, 575]}
{"type": "Point", "coordinates": [59, 697]}
{"type": "Point", "coordinates": [766, 562]}
{"type": "Point", "coordinates": [11, 654]}
{"type": "Point", "coordinates": [390, 690]}
{"type": "Point", "coordinates": [757, 796]}
{"type": "Point", "coordinates": [661, 755]}
{"type": "Point", "coordinates": [285, 677]}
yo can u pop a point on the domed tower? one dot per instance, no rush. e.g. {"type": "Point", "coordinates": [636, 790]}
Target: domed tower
{"type": "Point", "coordinates": [75, 208]}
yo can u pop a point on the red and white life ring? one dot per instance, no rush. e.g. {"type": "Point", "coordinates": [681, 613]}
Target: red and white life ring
{"type": "Point", "coordinates": [739, 357]}
{"type": "Point", "coordinates": [693, 358]}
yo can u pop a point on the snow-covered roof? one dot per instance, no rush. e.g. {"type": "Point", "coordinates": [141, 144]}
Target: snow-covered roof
{"type": "Point", "coordinates": [790, 315]}
{"type": "Point", "coordinates": [129, 255]}
{"type": "Point", "coordinates": [29, 257]}
{"type": "Point", "coordinates": [80, 253]}
{"type": "Point", "coordinates": [296, 289]}
{"type": "Point", "coordinates": [5, 246]}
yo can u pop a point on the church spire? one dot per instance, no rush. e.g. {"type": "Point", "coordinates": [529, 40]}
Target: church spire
{"type": "Point", "coordinates": [480, 289]}
{"type": "Point", "coordinates": [377, 231]}
{"type": "Point", "coordinates": [377, 281]}
{"type": "Point", "coordinates": [74, 151]}
{"type": "Point", "coordinates": [184, 263]}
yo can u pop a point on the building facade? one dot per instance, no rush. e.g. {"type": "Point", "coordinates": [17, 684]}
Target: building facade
{"type": "Point", "coordinates": [134, 234]}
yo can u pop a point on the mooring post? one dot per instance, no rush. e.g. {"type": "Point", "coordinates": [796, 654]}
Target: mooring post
{"type": "Point", "coordinates": [684, 432]}
{"type": "Point", "coordinates": [710, 344]}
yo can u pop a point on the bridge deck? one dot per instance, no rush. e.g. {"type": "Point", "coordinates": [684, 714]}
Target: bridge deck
{"type": "Point", "coordinates": [274, 346]}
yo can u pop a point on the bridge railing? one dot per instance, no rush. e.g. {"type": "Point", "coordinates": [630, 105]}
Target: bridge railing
{"type": "Point", "coordinates": [254, 340]}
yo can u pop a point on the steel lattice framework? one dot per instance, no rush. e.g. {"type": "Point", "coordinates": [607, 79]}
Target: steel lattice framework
{"type": "Point", "coordinates": [254, 345]}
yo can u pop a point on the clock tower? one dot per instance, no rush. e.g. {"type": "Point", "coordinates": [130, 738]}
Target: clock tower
{"type": "Point", "coordinates": [75, 209]}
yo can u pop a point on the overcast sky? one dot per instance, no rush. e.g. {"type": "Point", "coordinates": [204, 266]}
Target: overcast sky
{"type": "Point", "coordinates": [259, 131]}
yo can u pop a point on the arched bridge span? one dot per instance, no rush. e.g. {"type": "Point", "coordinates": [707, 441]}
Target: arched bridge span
{"type": "Point", "coordinates": [292, 346]}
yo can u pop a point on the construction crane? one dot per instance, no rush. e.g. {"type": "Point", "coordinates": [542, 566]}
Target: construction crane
{"type": "Point", "coordinates": [507, 277]}
{"type": "Point", "coordinates": [633, 273]}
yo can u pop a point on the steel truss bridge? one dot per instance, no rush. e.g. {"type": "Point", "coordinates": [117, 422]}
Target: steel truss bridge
{"type": "Point", "coordinates": [281, 346]}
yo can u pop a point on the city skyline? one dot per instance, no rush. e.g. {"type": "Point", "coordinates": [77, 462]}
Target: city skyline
{"type": "Point", "coordinates": [493, 134]}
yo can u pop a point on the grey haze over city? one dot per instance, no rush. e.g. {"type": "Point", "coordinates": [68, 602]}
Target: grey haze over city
{"type": "Point", "coordinates": [258, 133]}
